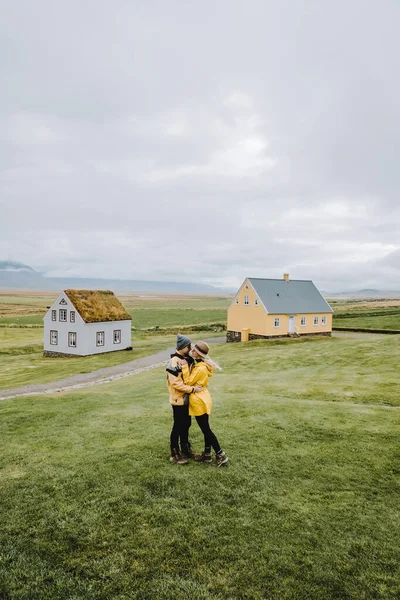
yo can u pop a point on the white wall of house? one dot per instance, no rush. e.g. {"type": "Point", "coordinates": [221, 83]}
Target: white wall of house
{"type": "Point", "coordinates": [89, 338]}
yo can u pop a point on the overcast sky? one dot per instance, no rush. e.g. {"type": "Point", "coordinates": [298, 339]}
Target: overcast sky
{"type": "Point", "coordinates": [202, 140]}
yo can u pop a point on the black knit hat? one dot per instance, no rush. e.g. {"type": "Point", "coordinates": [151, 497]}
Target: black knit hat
{"type": "Point", "coordinates": [182, 341]}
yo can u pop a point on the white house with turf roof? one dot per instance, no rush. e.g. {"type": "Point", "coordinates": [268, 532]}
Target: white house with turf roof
{"type": "Point", "coordinates": [85, 322]}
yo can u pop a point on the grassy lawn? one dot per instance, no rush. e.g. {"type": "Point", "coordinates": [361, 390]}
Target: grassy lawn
{"type": "Point", "coordinates": [24, 364]}
{"type": "Point", "coordinates": [368, 315]}
{"type": "Point", "coordinates": [367, 322]}
{"type": "Point", "coordinates": [308, 509]}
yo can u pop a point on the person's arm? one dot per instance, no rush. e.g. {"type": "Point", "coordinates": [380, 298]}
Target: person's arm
{"type": "Point", "coordinates": [198, 377]}
{"type": "Point", "coordinates": [178, 384]}
{"type": "Point", "coordinates": [174, 373]}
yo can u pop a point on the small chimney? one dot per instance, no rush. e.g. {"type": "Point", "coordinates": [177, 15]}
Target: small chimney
{"type": "Point", "coordinates": [286, 276]}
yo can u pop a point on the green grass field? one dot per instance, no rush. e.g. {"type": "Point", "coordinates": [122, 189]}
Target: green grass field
{"type": "Point", "coordinates": [164, 311]}
{"type": "Point", "coordinates": [21, 347]}
{"type": "Point", "coordinates": [308, 508]}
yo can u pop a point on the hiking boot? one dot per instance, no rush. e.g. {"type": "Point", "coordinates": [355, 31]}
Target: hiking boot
{"type": "Point", "coordinates": [203, 457]}
{"type": "Point", "coordinates": [186, 451]}
{"type": "Point", "coordinates": [222, 459]}
{"type": "Point", "coordinates": [177, 458]}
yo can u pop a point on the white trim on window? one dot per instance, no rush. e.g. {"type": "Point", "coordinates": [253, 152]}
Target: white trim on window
{"type": "Point", "coordinates": [100, 338]}
{"type": "Point", "coordinates": [117, 336]}
{"type": "Point", "coordinates": [72, 316]}
{"type": "Point", "coordinates": [53, 337]}
{"type": "Point", "coordinates": [54, 315]}
{"type": "Point", "coordinates": [246, 301]}
{"type": "Point", "coordinates": [256, 302]}
{"type": "Point", "coordinates": [236, 300]}
{"type": "Point", "coordinates": [303, 321]}
{"type": "Point", "coordinates": [63, 315]}
{"type": "Point", "coordinates": [72, 339]}
{"type": "Point", "coordinates": [277, 322]}
{"type": "Point", "coordinates": [316, 320]}
{"type": "Point", "coordinates": [323, 320]}
{"type": "Point", "coordinates": [62, 301]}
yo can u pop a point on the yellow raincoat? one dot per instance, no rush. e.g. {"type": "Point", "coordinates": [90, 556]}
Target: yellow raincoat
{"type": "Point", "coordinates": [200, 403]}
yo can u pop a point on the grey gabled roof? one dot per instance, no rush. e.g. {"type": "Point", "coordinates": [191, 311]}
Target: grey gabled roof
{"type": "Point", "coordinates": [289, 297]}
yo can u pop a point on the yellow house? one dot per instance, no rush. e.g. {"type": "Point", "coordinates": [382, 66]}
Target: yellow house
{"type": "Point", "coordinates": [268, 308]}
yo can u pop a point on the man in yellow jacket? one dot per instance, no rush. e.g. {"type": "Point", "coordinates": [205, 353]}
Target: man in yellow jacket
{"type": "Point", "coordinates": [179, 400]}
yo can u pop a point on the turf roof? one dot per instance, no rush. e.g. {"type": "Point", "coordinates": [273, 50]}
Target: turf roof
{"type": "Point", "coordinates": [96, 306]}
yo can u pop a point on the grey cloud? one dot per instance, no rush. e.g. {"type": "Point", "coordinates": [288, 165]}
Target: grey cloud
{"type": "Point", "coordinates": [266, 137]}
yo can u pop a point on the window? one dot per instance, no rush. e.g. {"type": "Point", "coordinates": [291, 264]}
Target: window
{"type": "Point", "coordinates": [117, 336]}
{"type": "Point", "coordinates": [316, 320]}
{"type": "Point", "coordinates": [303, 321]}
{"type": "Point", "coordinates": [277, 322]}
{"type": "Point", "coordinates": [54, 315]}
{"type": "Point", "coordinates": [53, 337]}
{"type": "Point", "coordinates": [72, 316]}
{"type": "Point", "coordinates": [256, 302]}
{"type": "Point", "coordinates": [323, 320]}
{"type": "Point", "coordinates": [100, 338]}
{"type": "Point", "coordinates": [247, 287]}
{"type": "Point", "coordinates": [246, 300]}
{"type": "Point", "coordinates": [237, 300]}
{"type": "Point", "coordinates": [62, 301]}
{"type": "Point", "coordinates": [63, 314]}
{"type": "Point", "coordinates": [72, 339]}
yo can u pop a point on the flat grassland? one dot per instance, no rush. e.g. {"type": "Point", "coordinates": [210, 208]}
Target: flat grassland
{"type": "Point", "coordinates": [155, 319]}
{"type": "Point", "coordinates": [367, 314]}
{"type": "Point", "coordinates": [147, 310]}
{"type": "Point", "coordinates": [307, 509]}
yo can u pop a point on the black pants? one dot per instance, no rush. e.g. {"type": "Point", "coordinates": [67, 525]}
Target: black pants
{"type": "Point", "coordinates": [210, 438]}
{"type": "Point", "coordinates": [180, 428]}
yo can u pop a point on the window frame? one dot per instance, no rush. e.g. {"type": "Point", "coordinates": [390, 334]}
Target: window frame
{"type": "Point", "coordinates": [236, 301]}
{"type": "Point", "coordinates": [72, 316]}
{"type": "Point", "coordinates": [54, 314]}
{"type": "Point", "coordinates": [323, 320]}
{"type": "Point", "coordinates": [303, 324]}
{"type": "Point", "coordinates": [277, 322]}
{"type": "Point", "coordinates": [55, 332]}
{"type": "Point", "coordinates": [70, 334]}
{"type": "Point", "coordinates": [119, 340]}
{"type": "Point", "coordinates": [62, 311]}
{"type": "Point", "coordinates": [316, 321]}
{"type": "Point", "coordinates": [98, 344]}
{"type": "Point", "coordinates": [246, 300]}
{"type": "Point", "coordinates": [256, 302]}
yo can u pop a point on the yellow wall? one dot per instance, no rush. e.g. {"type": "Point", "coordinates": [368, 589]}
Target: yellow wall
{"type": "Point", "coordinates": [259, 322]}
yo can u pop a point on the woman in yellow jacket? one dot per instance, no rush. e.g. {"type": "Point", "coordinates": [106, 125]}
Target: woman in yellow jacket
{"type": "Point", "coordinates": [200, 402]}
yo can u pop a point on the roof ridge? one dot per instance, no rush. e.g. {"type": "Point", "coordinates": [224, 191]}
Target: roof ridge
{"type": "Point", "coordinates": [277, 279]}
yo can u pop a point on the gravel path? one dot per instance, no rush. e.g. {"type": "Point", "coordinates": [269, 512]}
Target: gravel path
{"type": "Point", "coordinates": [98, 377]}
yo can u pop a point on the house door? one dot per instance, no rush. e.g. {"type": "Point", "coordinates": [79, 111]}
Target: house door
{"type": "Point", "coordinates": [291, 324]}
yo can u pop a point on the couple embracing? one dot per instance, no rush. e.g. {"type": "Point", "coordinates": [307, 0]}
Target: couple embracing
{"type": "Point", "coordinates": [188, 372]}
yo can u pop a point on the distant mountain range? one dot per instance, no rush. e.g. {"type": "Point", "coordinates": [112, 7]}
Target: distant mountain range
{"type": "Point", "coordinates": [367, 294]}
{"type": "Point", "coordinates": [15, 275]}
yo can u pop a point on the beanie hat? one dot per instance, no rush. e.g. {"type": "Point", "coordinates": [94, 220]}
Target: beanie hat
{"type": "Point", "coordinates": [182, 341]}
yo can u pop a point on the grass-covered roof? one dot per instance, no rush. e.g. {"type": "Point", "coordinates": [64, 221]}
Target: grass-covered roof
{"type": "Point", "coordinates": [95, 306]}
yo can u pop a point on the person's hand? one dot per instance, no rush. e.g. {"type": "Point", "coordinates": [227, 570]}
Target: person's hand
{"type": "Point", "coordinates": [184, 363]}
{"type": "Point", "coordinates": [198, 388]}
